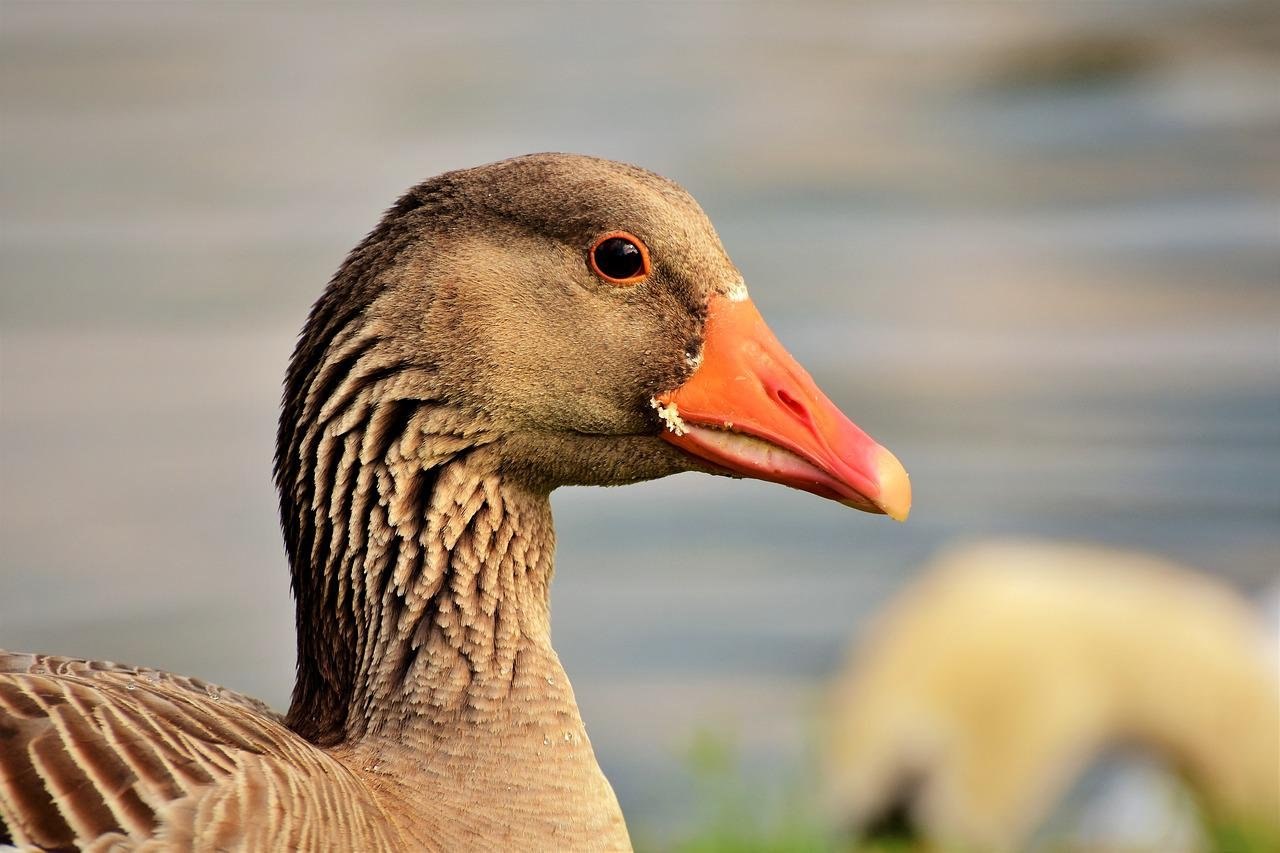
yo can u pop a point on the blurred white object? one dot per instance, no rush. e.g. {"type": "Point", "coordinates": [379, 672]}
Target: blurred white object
{"type": "Point", "coordinates": [979, 698]}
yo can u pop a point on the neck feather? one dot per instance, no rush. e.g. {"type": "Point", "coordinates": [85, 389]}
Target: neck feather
{"type": "Point", "coordinates": [421, 573]}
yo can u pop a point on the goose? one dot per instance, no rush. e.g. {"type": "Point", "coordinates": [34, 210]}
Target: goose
{"type": "Point", "coordinates": [978, 697]}
{"type": "Point", "coordinates": [543, 321]}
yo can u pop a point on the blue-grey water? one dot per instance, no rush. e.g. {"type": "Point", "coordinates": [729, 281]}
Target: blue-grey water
{"type": "Point", "coordinates": [1051, 287]}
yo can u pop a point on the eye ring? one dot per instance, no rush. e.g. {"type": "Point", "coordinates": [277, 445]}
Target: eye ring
{"type": "Point", "coordinates": [619, 258]}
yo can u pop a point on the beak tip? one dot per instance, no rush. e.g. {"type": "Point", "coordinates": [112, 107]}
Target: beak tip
{"type": "Point", "coordinates": [895, 486]}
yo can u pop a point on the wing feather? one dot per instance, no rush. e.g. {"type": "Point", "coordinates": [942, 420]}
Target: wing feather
{"type": "Point", "coordinates": [99, 756]}
{"type": "Point", "coordinates": [24, 795]}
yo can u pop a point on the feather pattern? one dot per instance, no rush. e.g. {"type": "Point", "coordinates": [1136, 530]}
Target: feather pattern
{"type": "Point", "coordinates": [452, 374]}
{"type": "Point", "coordinates": [102, 756]}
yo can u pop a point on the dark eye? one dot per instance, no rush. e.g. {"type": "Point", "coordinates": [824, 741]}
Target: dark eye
{"type": "Point", "coordinates": [619, 258]}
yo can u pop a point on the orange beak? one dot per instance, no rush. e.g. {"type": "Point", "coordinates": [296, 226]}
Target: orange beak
{"type": "Point", "coordinates": [752, 410]}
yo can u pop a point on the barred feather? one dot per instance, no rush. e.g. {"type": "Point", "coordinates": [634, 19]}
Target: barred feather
{"type": "Point", "coordinates": [104, 756]}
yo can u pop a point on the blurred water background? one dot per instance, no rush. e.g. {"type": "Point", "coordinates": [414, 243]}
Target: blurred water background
{"type": "Point", "coordinates": [1033, 248]}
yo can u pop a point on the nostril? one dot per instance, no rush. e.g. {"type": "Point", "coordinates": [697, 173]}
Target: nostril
{"type": "Point", "coordinates": [797, 408]}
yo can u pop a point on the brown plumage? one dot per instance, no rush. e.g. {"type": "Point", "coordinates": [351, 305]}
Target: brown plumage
{"type": "Point", "coordinates": [463, 362]}
{"type": "Point", "coordinates": [99, 755]}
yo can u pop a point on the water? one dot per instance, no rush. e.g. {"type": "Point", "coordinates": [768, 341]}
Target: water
{"type": "Point", "coordinates": [1056, 301]}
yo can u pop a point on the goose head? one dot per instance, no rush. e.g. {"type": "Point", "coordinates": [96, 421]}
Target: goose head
{"type": "Point", "coordinates": [585, 316]}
